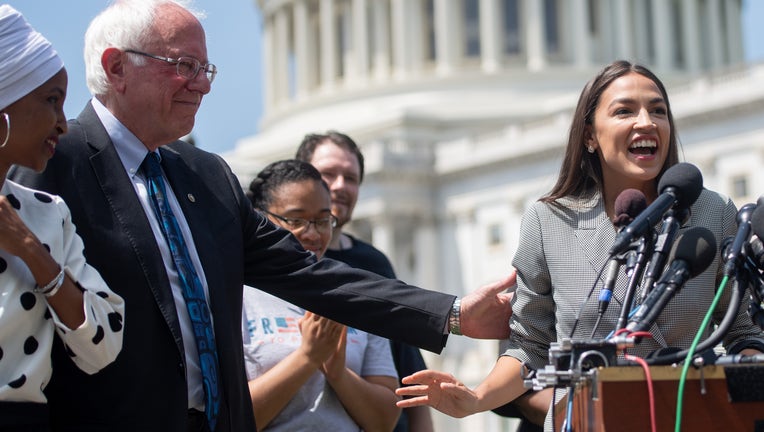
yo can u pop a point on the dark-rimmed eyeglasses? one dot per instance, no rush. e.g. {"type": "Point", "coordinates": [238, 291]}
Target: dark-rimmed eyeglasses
{"type": "Point", "coordinates": [297, 225]}
{"type": "Point", "coordinates": [187, 67]}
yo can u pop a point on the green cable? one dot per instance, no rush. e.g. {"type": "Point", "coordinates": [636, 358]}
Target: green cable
{"type": "Point", "coordinates": [691, 353]}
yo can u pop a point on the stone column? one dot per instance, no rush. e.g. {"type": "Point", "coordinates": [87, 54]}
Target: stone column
{"type": "Point", "coordinates": [624, 32]}
{"type": "Point", "coordinates": [304, 63]}
{"type": "Point", "coordinates": [268, 65]}
{"type": "Point", "coordinates": [641, 38]}
{"type": "Point", "coordinates": [406, 18]}
{"type": "Point", "coordinates": [280, 55]}
{"type": "Point", "coordinates": [715, 35]}
{"type": "Point", "coordinates": [381, 39]}
{"type": "Point", "coordinates": [345, 43]}
{"type": "Point", "coordinates": [449, 40]}
{"type": "Point", "coordinates": [579, 27]}
{"type": "Point", "coordinates": [491, 32]}
{"type": "Point", "coordinates": [360, 39]}
{"type": "Point", "coordinates": [691, 35]}
{"type": "Point", "coordinates": [663, 40]}
{"type": "Point", "coordinates": [605, 48]}
{"type": "Point", "coordinates": [328, 43]}
{"type": "Point", "coordinates": [535, 46]}
{"type": "Point", "coordinates": [734, 31]}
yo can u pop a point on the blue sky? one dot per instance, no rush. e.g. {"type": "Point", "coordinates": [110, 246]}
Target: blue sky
{"type": "Point", "coordinates": [233, 108]}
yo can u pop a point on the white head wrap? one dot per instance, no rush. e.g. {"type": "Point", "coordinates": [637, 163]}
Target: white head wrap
{"type": "Point", "coordinates": [27, 59]}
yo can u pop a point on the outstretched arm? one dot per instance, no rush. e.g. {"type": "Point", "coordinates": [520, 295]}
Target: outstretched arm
{"type": "Point", "coordinates": [485, 312]}
{"type": "Point", "coordinates": [448, 395]}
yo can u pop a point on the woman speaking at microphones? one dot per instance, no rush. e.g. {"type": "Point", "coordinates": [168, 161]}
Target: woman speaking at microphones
{"type": "Point", "coordinates": [622, 137]}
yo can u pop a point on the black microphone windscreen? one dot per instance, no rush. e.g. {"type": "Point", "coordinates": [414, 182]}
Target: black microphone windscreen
{"type": "Point", "coordinates": [686, 179]}
{"type": "Point", "coordinates": [697, 247]}
{"type": "Point", "coordinates": [628, 205]}
{"type": "Point", "coordinates": [757, 220]}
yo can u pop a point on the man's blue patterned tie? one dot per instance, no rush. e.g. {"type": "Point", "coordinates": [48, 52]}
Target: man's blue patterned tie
{"type": "Point", "coordinates": [193, 292]}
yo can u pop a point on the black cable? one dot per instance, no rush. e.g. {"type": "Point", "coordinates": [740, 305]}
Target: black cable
{"type": "Point", "coordinates": [738, 290]}
{"type": "Point", "coordinates": [588, 296]}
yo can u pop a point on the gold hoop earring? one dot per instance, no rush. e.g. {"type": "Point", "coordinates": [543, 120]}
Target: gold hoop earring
{"type": "Point", "coordinates": [8, 131]}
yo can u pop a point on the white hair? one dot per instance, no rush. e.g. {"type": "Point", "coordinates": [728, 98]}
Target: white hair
{"type": "Point", "coordinates": [125, 24]}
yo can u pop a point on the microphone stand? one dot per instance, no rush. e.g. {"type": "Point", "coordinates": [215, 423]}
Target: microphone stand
{"type": "Point", "coordinates": [673, 220]}
{"type": "Point", "coordinates": [643, 252]}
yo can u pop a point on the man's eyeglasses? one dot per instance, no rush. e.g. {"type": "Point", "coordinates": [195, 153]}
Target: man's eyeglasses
{"type": "Point", "coordinates": [299, 224]}
{"type": "Point", "coordinates": [187, 67]}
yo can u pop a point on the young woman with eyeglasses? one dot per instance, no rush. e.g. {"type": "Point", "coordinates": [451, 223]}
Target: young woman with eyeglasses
{"type": "Point", "coordinates": [307, 372]}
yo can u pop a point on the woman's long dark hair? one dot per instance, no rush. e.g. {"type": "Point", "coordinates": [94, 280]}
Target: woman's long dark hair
{"type": "Point", "coordinates": [581, 172]}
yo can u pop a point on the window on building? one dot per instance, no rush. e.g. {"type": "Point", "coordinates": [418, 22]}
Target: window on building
{"type": "Point", "coordinates": [511, 26]}
{"type": "Point", "coordinates": [594, 11]}
{"type": "Point", "coordinates": [429, 23]}
{"type": "Point", "coordinates": [292, 74]}
{"type": "Point", "coordinates": [472, 27]}
{"type": "Point", "coordinates": [495, 235]}
{"type": "Point", "coordinates": [739, 186]}
{"type": "Point", "coordinates": [344, 42]}
{"type": "Point", "coordinates": [551, 27]}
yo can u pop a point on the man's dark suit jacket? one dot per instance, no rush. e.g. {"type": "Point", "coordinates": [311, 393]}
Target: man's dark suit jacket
{"type": "Point", "coordinates": [145, 388]}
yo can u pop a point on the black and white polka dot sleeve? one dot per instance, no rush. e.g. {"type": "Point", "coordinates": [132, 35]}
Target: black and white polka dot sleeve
{"type": "Point", "coordinates": [28, 323]}
{"type": "Point", "coordinates": [96, 342]}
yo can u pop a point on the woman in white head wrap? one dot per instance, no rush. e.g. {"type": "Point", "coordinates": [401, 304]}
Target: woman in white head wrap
{"type": "Point", "coordinates": [46, 287]}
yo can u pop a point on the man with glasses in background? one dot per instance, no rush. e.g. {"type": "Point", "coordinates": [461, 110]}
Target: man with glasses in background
{"type": "Point", "coordinates": [339, 160]}
{"type": "Point", "coordinates": [170, 230]}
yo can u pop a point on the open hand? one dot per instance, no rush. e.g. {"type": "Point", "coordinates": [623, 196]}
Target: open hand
{"type": "Point", "coordinates": [439, 390]}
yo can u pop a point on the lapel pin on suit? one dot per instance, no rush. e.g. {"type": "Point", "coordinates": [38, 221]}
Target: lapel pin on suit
{"type": "Point", "coordinates": [191, 197]}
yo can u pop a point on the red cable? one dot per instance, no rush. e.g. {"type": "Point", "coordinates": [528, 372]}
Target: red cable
{"type": "Point", "coordinates": [649, 379]}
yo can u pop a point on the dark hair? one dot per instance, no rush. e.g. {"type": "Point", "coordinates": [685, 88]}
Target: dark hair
{"type": "Point", "coordinates": [275, 175]}
{"type": "Point", "coordinates": [581, 172]}
{"type": "Point", "coordinates": [311, 141]}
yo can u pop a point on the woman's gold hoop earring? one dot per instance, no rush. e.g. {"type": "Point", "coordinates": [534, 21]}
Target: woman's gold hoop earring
{"type": "Point", "coordinates": [7, 132]}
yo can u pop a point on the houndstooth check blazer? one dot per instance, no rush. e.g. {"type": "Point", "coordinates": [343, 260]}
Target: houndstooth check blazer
{"type": "Point", "coordinates": [562, 248]}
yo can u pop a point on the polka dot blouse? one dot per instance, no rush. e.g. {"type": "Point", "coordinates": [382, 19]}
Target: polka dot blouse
{"type": "Point", "coordinates": [27, 323]}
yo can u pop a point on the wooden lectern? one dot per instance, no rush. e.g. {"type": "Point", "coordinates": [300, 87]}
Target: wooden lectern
{"type": "Point", "coordinates": [718, 398]}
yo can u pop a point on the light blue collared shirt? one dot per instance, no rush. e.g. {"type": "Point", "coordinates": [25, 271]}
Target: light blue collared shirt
{"type": "Point", "coordinates": [131, 152]}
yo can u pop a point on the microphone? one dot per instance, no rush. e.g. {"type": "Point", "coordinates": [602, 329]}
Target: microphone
{"type": "Point", "coordinates": [672, 221]}
{"type": "Point", "coordinates": [679, 186]}
{"type": "Point", "coordinates": [756, 245]}
{"type": "Point", "coordinates": [694, 250]}
{"type": "Point", "coordinates": [628, 204]}
{"type": "Point", "coordinates": [739, 359]}
{"type": "Point", "coordinates": [733, 254]}
{"type": "Point", "coordinates": [634, 268]}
